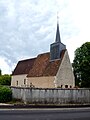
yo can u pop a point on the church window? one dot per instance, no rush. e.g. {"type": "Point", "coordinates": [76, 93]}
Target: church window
{"type": "Point", "coordinates": [24, 81]}
{"type": "Point", "coordinates": [17, 83]}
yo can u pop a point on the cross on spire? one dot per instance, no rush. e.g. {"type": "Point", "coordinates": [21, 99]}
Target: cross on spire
{"type": "Point", "coordinates": [57, 17]}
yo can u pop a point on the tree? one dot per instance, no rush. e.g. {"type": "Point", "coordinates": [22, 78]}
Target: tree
{"type": "Point", "coordinates": [81, 65]}
{"type": "Point", "coordinates": [5, 80]}
{"type": "Point", "coordinates": [0, 72]}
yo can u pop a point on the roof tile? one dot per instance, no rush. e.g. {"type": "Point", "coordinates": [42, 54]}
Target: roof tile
{"type": "Point", "coordinates": [23, 67]}
{"type": "Point", "coordinates": [44, 67]}
{"type": "Point", "coordinates": [39, 66]}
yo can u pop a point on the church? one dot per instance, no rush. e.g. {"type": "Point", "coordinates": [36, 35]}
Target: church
{"type": "Point", "coordinates": [48, 70]}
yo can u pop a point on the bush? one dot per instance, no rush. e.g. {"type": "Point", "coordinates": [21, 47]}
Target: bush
{"type": "Point", "coordinates": [5, 80]}
{"type": "Point", "coordinates": [5, 94]}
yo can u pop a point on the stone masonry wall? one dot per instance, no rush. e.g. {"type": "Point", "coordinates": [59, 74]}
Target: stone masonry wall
{"type": "Point", "coordinates": [65, 74]}
{"type": "Point", "coordinates": [52, 96]}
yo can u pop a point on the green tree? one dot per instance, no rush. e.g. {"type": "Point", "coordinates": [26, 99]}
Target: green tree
{"type": "Point", "coordinates": [81, 65]}
{"type": "Point", "coordinates": [5, 80]}
{"type": "Point", "coordinates": [0, 72]}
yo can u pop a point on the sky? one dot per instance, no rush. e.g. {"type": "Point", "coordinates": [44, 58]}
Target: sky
{"type": "Point", "coordinates": [28, 27]}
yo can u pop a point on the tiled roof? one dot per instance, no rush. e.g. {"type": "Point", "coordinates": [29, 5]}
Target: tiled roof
{"type": "Point", "coordinates": [44, 67]}
{"type": "Point", "coordinates": [39, 66]}
{"type": "Point", "coordinates": [23, 67]}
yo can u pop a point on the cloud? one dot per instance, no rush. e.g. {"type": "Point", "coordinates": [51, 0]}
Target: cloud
{"type": "Point", "coordinates": [28, 27]}
{"type": "Point", "coordinates": [5, 67]}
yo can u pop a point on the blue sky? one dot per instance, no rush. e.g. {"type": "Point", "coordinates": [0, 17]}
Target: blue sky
{"type": "Point", "coordinates": [28, 27]}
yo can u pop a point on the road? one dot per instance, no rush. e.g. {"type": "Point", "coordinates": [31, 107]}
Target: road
{"type": "Point", "coordinates": [46, 114]}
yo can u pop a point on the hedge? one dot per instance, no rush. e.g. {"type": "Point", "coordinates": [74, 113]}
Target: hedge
{"type": "Point", "coordinates": [5, 94]}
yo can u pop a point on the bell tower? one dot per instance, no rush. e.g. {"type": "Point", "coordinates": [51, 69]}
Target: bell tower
{"type": "Point", "coordinates": [56, 47]}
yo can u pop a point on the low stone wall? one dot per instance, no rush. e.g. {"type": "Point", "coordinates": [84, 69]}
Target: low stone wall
{"type": "Point", "coordinates": [52, 96]}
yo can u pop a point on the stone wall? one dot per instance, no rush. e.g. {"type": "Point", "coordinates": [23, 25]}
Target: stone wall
{"type": "Point", "coordinates": [42, 82]}
{"type": "Point", "coordinates": [52, 96]}
{"type": "Point", "coordinates": [65, 74]}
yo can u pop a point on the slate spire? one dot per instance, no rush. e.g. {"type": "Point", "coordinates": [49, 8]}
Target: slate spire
{"type": "Point", "coordinates": [57, 47]}
{"type": "Point", "coordinates": [58, 39]}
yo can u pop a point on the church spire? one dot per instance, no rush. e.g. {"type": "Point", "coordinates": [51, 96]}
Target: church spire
{"type": "Point", "coordinates": [58, 39]}
{"type": "Point", "coordinates": [56, 47]}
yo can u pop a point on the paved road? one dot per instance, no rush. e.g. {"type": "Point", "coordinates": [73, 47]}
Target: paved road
{"type": "Point", "coordinates": [46, 114]}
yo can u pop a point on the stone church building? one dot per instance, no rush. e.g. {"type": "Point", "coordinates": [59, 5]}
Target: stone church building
{"type": "Point", "coordinates": [48, 70]}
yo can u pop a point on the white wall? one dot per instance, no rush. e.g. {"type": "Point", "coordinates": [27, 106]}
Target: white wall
{"type": "Point", "coordinates": [18, 80]}
{"type": "Point", "coordinates": [52, 96]}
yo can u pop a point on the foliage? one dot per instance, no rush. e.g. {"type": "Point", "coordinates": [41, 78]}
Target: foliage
{"type": "Point", "coordinates": [81, 65]}
{"type": "Point", "coordinates": [5, 80]}
{"type": "Point", "coordinates": [0, 72]}
{"type": "Point", "coordinates": [5, 94]}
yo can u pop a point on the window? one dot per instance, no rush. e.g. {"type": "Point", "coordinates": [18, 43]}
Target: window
{"type": "Point", "coordinates": [66, 86]}
{"type": "Point", "coordinates": [17, 83]}
{"type": "Point", "coordinates": [30, 84]}
{"type": "Point", "coordinates": [61, 86]}
{"type": "Point", "coordinates": [24, 81]}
